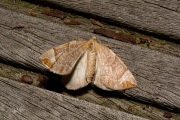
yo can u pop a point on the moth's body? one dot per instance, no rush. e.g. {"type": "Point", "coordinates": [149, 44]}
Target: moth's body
{"type": "Point", "coordinates": [84, 62]}
{"type": "Point", "coordinates": [91, 60]}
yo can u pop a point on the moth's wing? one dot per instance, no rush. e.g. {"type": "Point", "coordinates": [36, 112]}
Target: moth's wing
{"type": "Point", "coordinates": [62, 58]}
{"type": "Point", "coordinates": [111, 72]}
{"type": "Point", "coordinates": [77, 78]}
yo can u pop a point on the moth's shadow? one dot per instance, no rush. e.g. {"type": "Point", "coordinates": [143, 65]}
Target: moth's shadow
{"type": "Point", "coordinates": [107, 94]}
{"type": "Point", "coordinates": [54, 84]}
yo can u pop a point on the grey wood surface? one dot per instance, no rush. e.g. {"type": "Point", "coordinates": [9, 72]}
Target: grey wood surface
{"type": "Point", "coordinates": [157, 74]}
{"type": "Point", "coordinates": [25, 102]}
{"type": "Point", "coordinates": [95, 96]}
{"type": "Point", "coordinates": [156, 16]}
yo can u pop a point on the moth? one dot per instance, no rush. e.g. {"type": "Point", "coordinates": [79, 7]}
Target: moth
{"type": "Point", "coordinates": [81, 62]}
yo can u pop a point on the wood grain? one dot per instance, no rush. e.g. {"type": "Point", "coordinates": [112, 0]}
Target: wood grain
{"type": "Point", "coordinates": [171, 5]}
{"type": "Point", "coordinates": [157, 74]}
{"type": "Point", "coordinates": [159, 17]}
{"type": "Point", "coordinates": [22, 101]}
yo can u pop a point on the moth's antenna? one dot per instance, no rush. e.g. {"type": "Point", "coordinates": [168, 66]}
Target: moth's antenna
{"type": "Point", "coordinates": [31, 12]}
{"type": "Point", "coordinates": [108, 45]}
{"type": "Point", "coordinates": [79, 35]}
{"type": "Point", "coordinates": [73, 36]}
{"type": "Point", "coordinates": [99, 41]}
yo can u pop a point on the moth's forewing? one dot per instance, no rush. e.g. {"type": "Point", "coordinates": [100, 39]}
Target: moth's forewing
{"type": "Point", "coordinates": [63, 58]}
{"type": "Point", "coordinates": [111, 72]}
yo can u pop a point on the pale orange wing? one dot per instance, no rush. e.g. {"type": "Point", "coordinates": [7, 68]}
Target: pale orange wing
{"type": "Point", "coordinates": [77, 78]}
{"type": "Point", "coordinates": [63, 58]}
{"type": "Point", "coordinates": [111, 72]}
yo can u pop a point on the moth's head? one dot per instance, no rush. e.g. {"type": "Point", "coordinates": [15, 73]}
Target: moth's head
{"type": "Point", "coordinates": [93, 39]}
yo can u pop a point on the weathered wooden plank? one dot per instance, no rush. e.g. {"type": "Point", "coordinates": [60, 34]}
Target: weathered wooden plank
{"type": "Point", "coordinates": [159, 17]}
{"type": "Point", "coordinates": [156, 44]}
{"type": "Point", "coordinates": [94, 95]}
{"type": "Point", "coordinates": [157, 74]}
{"type": "Point", "coordinates": [22, 101]}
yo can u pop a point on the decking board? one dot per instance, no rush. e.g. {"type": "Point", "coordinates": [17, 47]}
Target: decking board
{"type": "Point", "coordinates": [22, 101]}
{"type": "Point", "coordinates": [157, 17]}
